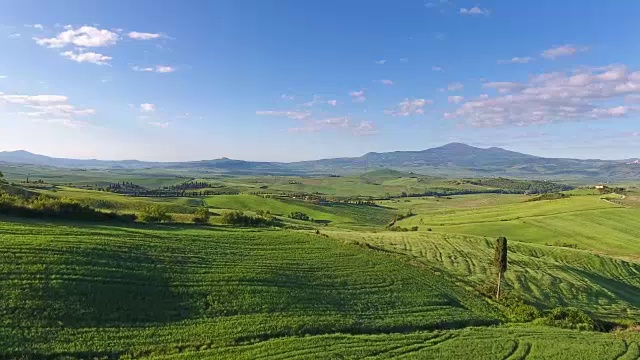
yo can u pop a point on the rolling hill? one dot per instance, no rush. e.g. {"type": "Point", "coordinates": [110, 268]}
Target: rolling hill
{"type": "Point", "coordinates": [452, 160]}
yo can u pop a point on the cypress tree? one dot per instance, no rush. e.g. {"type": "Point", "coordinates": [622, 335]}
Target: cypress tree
{"type": "Point", "coordinates": [500, 260]}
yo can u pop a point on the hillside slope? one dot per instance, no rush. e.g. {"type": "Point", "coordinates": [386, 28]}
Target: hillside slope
{"type": "Point", "coordinates": [451, 160]}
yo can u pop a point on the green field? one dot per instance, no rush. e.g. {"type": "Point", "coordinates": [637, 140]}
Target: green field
{"type": "Point", "coordinates": [585, 222]}
{"type": "Point", "coordinates": [340, 285]}
{"type": "Point", "coordinates": [71, 289]}
{"type": "Point", "coordinates": [332, 213]}
{"type": "Point", "coordinates": [606, 286]}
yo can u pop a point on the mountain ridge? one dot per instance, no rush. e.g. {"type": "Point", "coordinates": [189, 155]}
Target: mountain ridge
{"type": "Point", "coordinates": [453, 159]}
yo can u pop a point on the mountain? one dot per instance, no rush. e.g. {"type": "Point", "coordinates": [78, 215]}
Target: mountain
{"type": "Point", "coordinates": [452, 160]}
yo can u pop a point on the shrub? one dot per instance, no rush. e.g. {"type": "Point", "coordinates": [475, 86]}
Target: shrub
{"type": "Point", "coordinates": [414, 228]}
{"type": "Point", "coordinates": [299, 216]}
{"type": "Point", "coordinates": [569, 318]}
{"type": "Point", "coordinates": [239, 218]}
{"type": "Point", "coordinates": [154, 213]}
{"type": "Point", "coordinates": [519, 311]}
{"type": "Point", "coordinates": [45, 206]}
{"type": "Point", "coordinates": [202, 216]}
{"type": "Point", "coordinates": [398, 228]}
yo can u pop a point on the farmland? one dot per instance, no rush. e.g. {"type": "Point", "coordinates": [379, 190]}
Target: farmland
{"type": "Point", "coordinates": [340, 284]}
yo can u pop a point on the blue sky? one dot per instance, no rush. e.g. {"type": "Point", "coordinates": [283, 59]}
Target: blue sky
{"type": "Point", "coordinates": [295, 80]}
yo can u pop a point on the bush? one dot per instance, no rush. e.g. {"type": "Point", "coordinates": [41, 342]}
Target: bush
{"type": "Point", "coordinates": [299, 216]}
{"type": "Point", "coordinates": [569, 318]}
{"type": "Point", "coordinates": [45, 206]}
{"type": "Point", "coordinates": [202, 216]}
{"type": "Point", "coordinates": [239, 218]}
{"type": "Point", "coordinates": [154, 213]}
{"type": "Point", "coordinates": [398, 228]}
{"type": "Point", "coordinates": [414, 228]}
{"type": "Point", "coordinates": [519, 311]}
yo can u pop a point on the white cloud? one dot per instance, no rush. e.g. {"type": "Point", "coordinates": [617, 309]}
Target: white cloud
{"type": "Point", "coordinates": [381, 62]}
{"type": "Point", "coordinates": [332, 102]}
{"type": "Point", "coordinates": [164, 69]}
{"type": "Point", "coordinates": [454, 86]}
{"type": "Point", "coordinates": [358, 96]}
{"type": "Point", "coordinates": [144, 69]}
{"type": "Point", "coordinates": [147, 108]}
{"type": "Point", "coordinates": [585, 93]}
{"type": "Point", "coordinates": [35, 26]}
{"type": "Point", "coordinates": [89, 57]}
{"type": "Point", "coordinates": [516, 60]}
{"type": "Point", "coordinates": [365, 128]}
{"type": "Point", "coordinates": [291, 114]}
{"type": "Point", "coordinates": [409, 107]}
{"type": "Point", "coordinates": [562, 50]}
{"type": "Point", "coordinates": [342, 121]}
{"type": "Point", "coordinates": [85, 36]}
{"type": "Point", "coordinates": [338, 123]}
{"type": "Point", "coordinates": [386, 82]}
{"type": "Point", "coordinates": [3, 77]}
{"type": "Point", "coordinates": [284, 96]}
{"type": "Point", "coordinates": [476, 10]}
{"type": "Point", "coordinates": [455, 99]}
{"type": "Point", "coordinates": [143, 35]}
{"type": "Point", "coordinates": [436, 68]}
{"type": "Point", "coordinates": [162, 125]}
{"type": "Point", "coordinates": [14, 36]}
{"type": "Point", "coordinates": [503, 86]}
{"type": "Point", "coordinates": [33, 100]}
{"type": "Point", "coordinates": [49, 108]}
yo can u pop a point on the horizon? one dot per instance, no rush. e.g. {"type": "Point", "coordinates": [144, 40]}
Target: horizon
{"type": "Point", "coordinates": [290, 81]}
{"type": "Point", "coordinates": [286, 162]}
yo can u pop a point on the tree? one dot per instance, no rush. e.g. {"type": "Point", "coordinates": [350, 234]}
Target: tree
{"type": "Point", "coordinates": [1, 175]}
{"type": "Point", "coordinates": [500, 260]}
{"type": "Point", "coordinates": [154, 213]}
{"type": "Point", "coordinates": [202, 216]}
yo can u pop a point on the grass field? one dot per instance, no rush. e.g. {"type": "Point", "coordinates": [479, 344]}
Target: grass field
{"type": "Point", "coordinates": [543, 275]}
{"type": "Point", "coordinates": [180, 292]}
{"type": "Point", "coordinates": [69, 289]}
{"type": "Point", "coordinates": [333, 213]}
{"type": "Point", "coordinates": [478, 343]}
{"type": "Point", "coordinates": [355, 289]}
{"type": "Point", "coordinates": [111, 201]}
{"type": "Point", "coordinates": [585, 222]}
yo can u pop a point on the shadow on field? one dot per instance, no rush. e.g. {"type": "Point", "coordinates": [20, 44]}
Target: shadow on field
{"type": "Point", "coordinates": [619, 289]}
{"type": "Point", "coordinates": [93, 287]}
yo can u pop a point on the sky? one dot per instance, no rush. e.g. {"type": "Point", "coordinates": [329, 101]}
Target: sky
{"type": "Point", "coordinates": [289, 80]}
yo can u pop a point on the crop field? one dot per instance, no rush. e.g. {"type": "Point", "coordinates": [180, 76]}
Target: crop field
{"type": "Point", "coordinates": [584, 222]}
{"type": "Point", "coordinates": [603, 285]}
{"type": "Point", "coordinates": [112, 201]}
{"type": "Point", "coordinates": [341, 286]}
{"type": "Point", "coordinates": [53, 175]}
{"type": "Point", "coordinates": [478, 343]}
{"type": "Point", "coordinates": [70, 289]}
{"type": "Point", "coordinates": [345, 214]}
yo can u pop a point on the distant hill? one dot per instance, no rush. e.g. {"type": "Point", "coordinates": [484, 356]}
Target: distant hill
{"type": "Point", "coordinates": [451, 160]}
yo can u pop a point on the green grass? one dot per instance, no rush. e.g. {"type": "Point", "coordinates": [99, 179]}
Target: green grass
{"type": "Point", "coordinates": [476, 343]}
{"type": "Point", "coordinates": [89, 177]}
{"type": "Point", "coordinates": [106, 291]}
{"type": "Point", "coordinates": [542, 275]}
{"type": "Point", "coordinates": [586, 222]}
{"type": "Point", "coordinates": [117, 290]}
{"type": "Point", "coordinates": [112, 201]}
{"type": "Point", "coordinates": [333, 213]}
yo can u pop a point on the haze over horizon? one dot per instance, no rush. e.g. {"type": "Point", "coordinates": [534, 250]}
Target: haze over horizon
{"type": "Point", "coordinates": [356, 156]}
{"type": "Point", "coordinates": [290, 81]}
